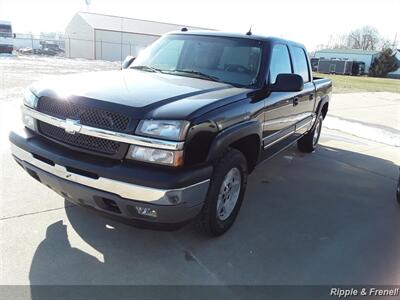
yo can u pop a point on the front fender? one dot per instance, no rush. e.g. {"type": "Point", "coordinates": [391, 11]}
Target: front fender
{"type": "Point", "coordinates": [232, 134]}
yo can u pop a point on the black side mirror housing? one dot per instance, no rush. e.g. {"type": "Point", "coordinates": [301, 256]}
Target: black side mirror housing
{"type": "Point", "coordinates": [287, 83]}
{"type": "Point", "coordinates": [127, 62]}
{"type": "Point", "coordinates": [14, 35]}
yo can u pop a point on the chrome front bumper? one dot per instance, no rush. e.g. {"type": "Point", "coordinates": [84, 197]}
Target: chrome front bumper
{"type": "Point", "coordinates": [195, 193]}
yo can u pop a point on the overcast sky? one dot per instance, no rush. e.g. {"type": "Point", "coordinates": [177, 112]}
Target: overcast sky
{"type": "Point", "coordinates": [310, 22]}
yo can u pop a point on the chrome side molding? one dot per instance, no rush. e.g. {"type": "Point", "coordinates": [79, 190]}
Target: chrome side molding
{"type": "Point", "coordinates": [279, 139]}
{"type": "Point", "coordinates": [280, 136]}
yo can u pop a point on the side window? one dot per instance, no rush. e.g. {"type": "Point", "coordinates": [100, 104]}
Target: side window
{"type": "Point", "coordinates": [300, 63]}
{"type": "Point", "coordinates": [280, 62]}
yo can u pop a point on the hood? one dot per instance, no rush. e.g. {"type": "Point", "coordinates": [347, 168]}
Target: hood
{"type": "Point", "coordinates": [139, 93]}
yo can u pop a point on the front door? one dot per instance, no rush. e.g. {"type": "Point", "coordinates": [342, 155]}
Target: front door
{"type": "Point", "coordinates": [280, 118]}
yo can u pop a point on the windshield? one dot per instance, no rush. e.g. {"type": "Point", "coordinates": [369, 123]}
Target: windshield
{"type": "Point", "coordinates": [5, 30]}
{"type": "Point", "coordinates": [231, 60]}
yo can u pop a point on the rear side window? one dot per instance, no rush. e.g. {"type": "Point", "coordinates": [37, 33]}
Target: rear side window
{"type": "Point", "coordinates": [300, 63]}
{"type": "Point", "coordinates": [280, 62]}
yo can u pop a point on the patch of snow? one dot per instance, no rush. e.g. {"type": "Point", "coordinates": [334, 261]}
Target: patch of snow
{"type": "Point", "coordinates": [372, 133]}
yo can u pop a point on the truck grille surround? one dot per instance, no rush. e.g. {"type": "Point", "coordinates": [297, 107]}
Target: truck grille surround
{"type": "Point", "coordinates": [87, 116]}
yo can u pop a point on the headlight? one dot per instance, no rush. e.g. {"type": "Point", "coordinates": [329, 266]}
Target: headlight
{"type": "Point", "coordinates": [168, 129]}
{"type": "Point", "coordinates": [153, 155]}
{"type": "Point", "coordinates": [30, 99]}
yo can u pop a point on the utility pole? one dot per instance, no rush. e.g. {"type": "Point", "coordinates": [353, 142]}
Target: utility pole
{"type": "Point", "coordinates": [88, 2]}
{"type": "Point", "coordinates": [122, 27]}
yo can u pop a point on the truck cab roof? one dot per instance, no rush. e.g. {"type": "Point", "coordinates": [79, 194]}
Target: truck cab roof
{"type": "Point", "coordinates": [261, 38]}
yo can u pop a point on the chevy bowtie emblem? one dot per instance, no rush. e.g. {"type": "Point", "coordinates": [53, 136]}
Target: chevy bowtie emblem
{"type": "Point", "coordinates": [72, 126]}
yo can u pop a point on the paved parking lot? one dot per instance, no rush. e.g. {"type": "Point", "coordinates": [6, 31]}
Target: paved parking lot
{"type": "Point", "coordinates": [329, 217]}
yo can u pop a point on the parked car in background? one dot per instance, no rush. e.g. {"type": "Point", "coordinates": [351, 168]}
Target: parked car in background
{"type": "Point", "coordinates": [25, 50]}
{"type": "Point", "coordinates": [46, 48]}
{"type": "Point", "coordinates": [49, 48]}
{"type": "Point", "coordinates": [174, 135]}
{"type": "Point", "coordinates": [6, 37]}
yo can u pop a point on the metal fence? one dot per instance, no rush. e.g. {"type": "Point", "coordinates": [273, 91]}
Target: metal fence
{"type": "Point", "coordinates": [34, 41]}
{"type": "Point", "coordinates": [75, 48]}
{"type": "Point", "coordinates": [100, 49]}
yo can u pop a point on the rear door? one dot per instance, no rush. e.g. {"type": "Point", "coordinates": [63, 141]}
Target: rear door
{"type": "Point", "coordinates": [303, 101]}
{"type": "Point", "coordinates": [280, 118]}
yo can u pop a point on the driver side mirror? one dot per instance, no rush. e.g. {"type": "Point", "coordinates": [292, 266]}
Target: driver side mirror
{"type": "Point", "coordinates": [14, 35]}
{"type": "Point", "coordinates": [127, 62]}
{"type": "Point", "coordinates": [287, 83]}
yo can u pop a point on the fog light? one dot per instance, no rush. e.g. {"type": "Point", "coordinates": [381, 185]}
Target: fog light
{"type": "Point", "coordinates": [28, 121]}
{"type": "Point", "coordinates": [145, 211]}
{"type": "Point", "coordinates": [174, 199]}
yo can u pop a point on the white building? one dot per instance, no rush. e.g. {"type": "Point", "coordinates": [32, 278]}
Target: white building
{"type": "Point", "coordinates": [348, 54]}
{"type": "Point", "coordinates": [96, 36]}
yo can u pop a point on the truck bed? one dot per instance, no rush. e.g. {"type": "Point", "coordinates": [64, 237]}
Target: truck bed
{"type": "Point", "coordinates": [323, 86]}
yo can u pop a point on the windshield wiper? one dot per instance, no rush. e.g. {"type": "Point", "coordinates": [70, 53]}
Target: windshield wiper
{"type": "Point", "coordinates": [146, 68]}
{"type": "Point", "coordinates": [197, 73]}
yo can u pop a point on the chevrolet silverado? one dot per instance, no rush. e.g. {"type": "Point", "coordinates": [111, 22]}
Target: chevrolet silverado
{"type": "Point", "coordinates": [174, 134]}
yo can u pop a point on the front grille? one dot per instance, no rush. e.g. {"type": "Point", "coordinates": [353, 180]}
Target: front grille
{"type": "Point", "coordinates": [79, 140]}
{"type": "Point", "coordinates": [87, 116]}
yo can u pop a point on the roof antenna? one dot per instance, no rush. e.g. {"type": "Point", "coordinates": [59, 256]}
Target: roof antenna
{"type": "Point", "coordinates": [184, 29]}
{"type": "Point", "coordinates": [249, 32]}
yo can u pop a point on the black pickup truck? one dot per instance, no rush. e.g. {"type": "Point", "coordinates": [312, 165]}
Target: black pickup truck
{"type": "Point", "coordinates": [173, 135]}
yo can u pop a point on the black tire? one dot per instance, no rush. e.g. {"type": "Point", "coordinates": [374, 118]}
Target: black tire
{"type": "Point", "coordinates": [307, 143]}
{"type": "Point", "coordinates": [209, 220]}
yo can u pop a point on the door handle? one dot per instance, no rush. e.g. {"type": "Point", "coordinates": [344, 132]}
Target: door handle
{"type": "Point", "coordinates": [311, 97]}
{"type": "Point", "coordinates": [295, 101]}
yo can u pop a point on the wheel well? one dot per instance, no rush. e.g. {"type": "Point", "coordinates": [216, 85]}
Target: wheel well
{"type": "Point", "coordinates": [250, 147]}
{"type": "Point", "coordinates": [324, 110]}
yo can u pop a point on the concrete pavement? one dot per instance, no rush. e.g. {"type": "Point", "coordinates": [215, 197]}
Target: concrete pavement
{"type": "Point", "coordinates": [377, 108]}
{"type": "Point", "coordinates": [325, 218]}
{"type": "Point", "coordinates": [373, 116]}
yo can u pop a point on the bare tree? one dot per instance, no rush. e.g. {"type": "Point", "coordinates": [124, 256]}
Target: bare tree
{"type": "Point", "coordinates": [336, 41]}
{"type": "Point", "coordinates": [366, 38]}
{"type": "Point", "coordinates": [387, 43]}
